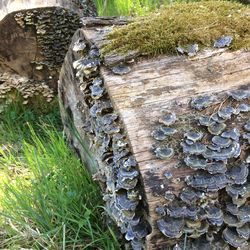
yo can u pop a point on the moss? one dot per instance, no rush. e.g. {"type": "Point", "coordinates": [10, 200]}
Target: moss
{"type": "Point", "coordinates": [182, 24]}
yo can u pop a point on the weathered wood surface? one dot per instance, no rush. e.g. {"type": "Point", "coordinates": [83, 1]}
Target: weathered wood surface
{"type": "Point", "coordinates": [153, 87]}
{"type": "Point", "coordinates": [168, 83]}
{"type": "Point", "coordinates": [104, 21]}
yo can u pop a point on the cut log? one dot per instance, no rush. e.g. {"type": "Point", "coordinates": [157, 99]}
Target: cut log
{"type": "Point", "coordinates": [167, 137]}
{"type": "Point", "coordinates": [35, 36]}
{"type": "Point", "coordinates": [82, 8]}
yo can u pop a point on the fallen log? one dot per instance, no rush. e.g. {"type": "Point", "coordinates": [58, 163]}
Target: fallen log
{"type": "Point", "coordinates": [35, 36]}
{"type": "Point", "coordinates": [167, 137]}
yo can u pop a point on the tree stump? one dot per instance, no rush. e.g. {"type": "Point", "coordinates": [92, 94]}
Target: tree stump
{"type": "Point", "coordinates": [167, 137]}
{"type": "Point", "coordinates": [35, 36]}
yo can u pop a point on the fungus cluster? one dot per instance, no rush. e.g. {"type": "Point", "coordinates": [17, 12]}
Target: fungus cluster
{"type": "Point", "coordinates": [212, 209]}
{"type": "Point", "coordinates": [107, 136]}
{"type": "Point", "coordinates": [54, 28]}
{"type": "Point", "coordinates": [27, 88]}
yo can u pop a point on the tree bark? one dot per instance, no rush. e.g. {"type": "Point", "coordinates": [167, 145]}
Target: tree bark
{"type": "Point", "coordinates": [168, 139]}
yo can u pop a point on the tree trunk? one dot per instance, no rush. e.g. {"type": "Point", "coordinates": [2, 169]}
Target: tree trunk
{"type": "Point", "coordinates": [167, 137]}
{"type": "Point", "coordinates": [35, 37]}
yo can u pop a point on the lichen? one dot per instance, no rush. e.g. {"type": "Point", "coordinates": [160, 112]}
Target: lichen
{"type": "Point", "coordinates": [182, 24]}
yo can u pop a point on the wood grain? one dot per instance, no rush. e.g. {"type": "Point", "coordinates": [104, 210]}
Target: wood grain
{"type": "Point", "coordinates": [168, 83]}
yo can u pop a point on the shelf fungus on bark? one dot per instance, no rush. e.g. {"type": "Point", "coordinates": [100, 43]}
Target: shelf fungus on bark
{"type": "Point", "coordinates": [222, 42]}
{"type": "Point", "coordinates": [168, 175]}
{"type": "Point", "coordinates": [123, 192]}
{"type": "Point", "coordinates": [194, 136]}
{"type": "Point", "coordinates": [218, 167]}
{"type": "Point", "coordinates": [168, 119]}
{"type": "Point", "coordinates": [224, 154]}
{"type": "Point", "coordinates": [189, 196]}
{"type": "Point", "coordinates": [233, 134]}
{"type": "Point", "coordinates": [244, 231]}
{"type": "Point", "coordinates": [168, 131]}
{"type": "Point", "coordinates": [246, 136]}
{"type": "Point", "coordinates": [207, 182]}
{"type": "Point", "coordinates": [214, 154]}
{"type": "Point", "coordinates": [238, 193]}
{"type": "Point", "coordinates": [159, 134]}
{"type": "Point", "coordinates": [247, 126]}
{"type": "Point", "coordinates": [233, 239]}
{"type": "Point", "coordinates": [79, 45]}
{"type": "Point", "coordinates": [240, 94]}
{"type": "Point", "coordinates": [232, 221]}
{"type": "Point", "coordinates": [205, 120]}
{"type": "Point", "coordinates": [183, 211]}
{"type": "Point", "coordinates": [243, 107]}
{"type": "Point", "coordinates": [202, 102]}
{"type": "Point", "coordinates": [164, 153]}
{"type": "Point", "coordinates": [221, 141]}
{"type": "Point", "coordinates": [54, 27]}
{"type": "Point", "coordinates": [169, 196]}
{"type": "Point", "coordinates": [216, 128]}
{"type": "Point", "coordinates": [193, 149]}
{"type": "Point", "coordinates": [171, 227]}
{"type": "Point", "coordinates": [195, 162]}
{"type": "Point", "coordinates": [121, 69]}
{"type": "Point", "coordinates": [28, 89]}
{"type": "Point", "coordinates": [226, 113]}
{"type": "Point", "coordinates": [238, 174]}
{"type": "Point", "coordinates": [214, 215]}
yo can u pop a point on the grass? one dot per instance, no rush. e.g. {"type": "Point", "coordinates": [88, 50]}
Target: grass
{"type": "Point", "coordinates": [181, 24]}
{"type": "Point", "coordinates": [48, 200]}
{"type": "Point", "coordinates": [16, 117]}
{"type": "Point", "coordinates": [136, 7]}
{"type": "Point", "coordinates": [128, 7]}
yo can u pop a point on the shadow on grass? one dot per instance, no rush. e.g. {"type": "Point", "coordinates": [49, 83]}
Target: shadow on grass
{"type": "Point", "coordinates": [48, 199]}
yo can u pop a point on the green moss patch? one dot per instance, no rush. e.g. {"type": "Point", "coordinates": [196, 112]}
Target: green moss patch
{"type": "Point", "coordinates": [181, 24]}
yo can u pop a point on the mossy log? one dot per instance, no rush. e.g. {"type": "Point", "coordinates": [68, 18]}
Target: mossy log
{"type": "Point", "coordinates": [167, 137]}
{"type": "Point", "coordinates": [35, 36]}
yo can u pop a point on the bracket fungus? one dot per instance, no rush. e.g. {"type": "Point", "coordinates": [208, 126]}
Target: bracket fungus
{"type": "Point", "coordinates": [170, 227]}
{"type": "Point", "coordinates": [223, 42]}
{"type": "Point", "coordinates": [194, 136]}
{"type": "Point", "coordinates": [233, 239]}
{"type": "Point", "coordinates": [164, 153]}
{"type": "Point", "coordinates": [240, 94]}
{"type": "Point", "coordinates": [195, 162]}
{"type": "Point", "coordinates": [202, 102]}
{"type": "Point", "coordinates": [185, 163]}
{"type": "Point", "coordinates": [216, 128]}
{"type": "Point", "coordinates": [168, 119]}
{"type": "Point", "coordinates": [247, 126]}
{"type": "Point", "coordinates": [121, 69]}
{"type": "Point", "coordinates": [226, 113]}
{"type": "Point", "coordinates": [207, 182]}
{"type": "Point", "coordinates": [213, 154]}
